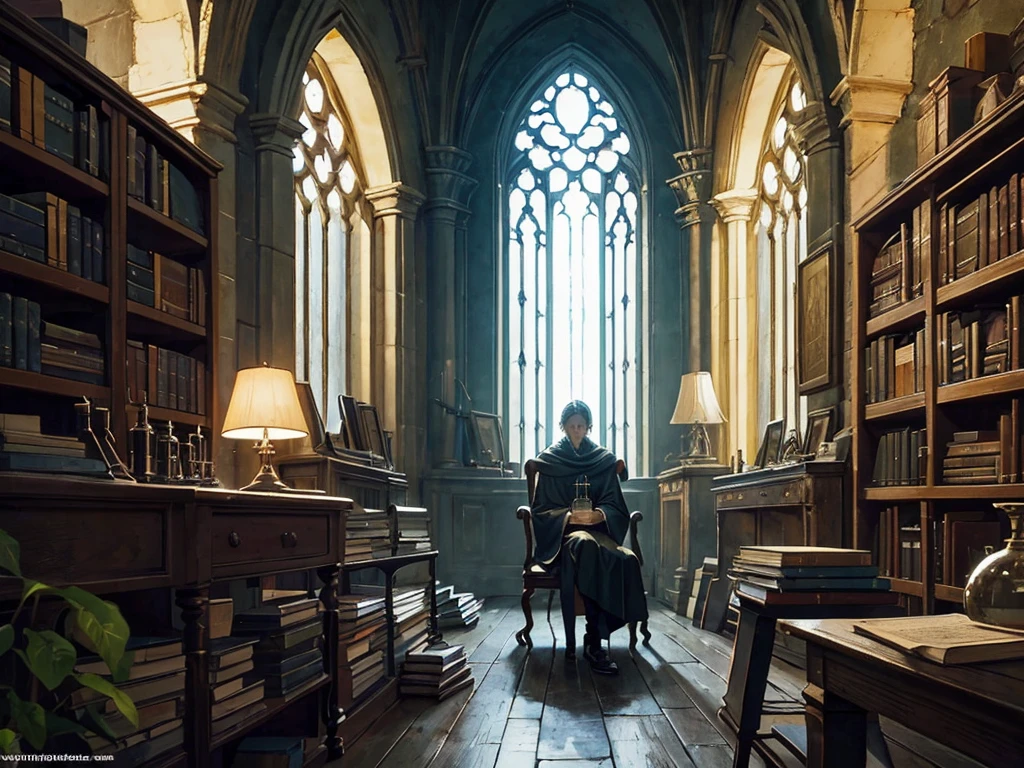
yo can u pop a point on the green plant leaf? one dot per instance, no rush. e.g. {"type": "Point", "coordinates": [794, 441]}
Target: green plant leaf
{"type": "Point", "coordinates": [10, 553]}
{"type": "Point", "coordinates": [123, 670]}
{"type": "Point", "coordinates": [92, 719]}
{"type": "Point", "coordinates": [30, 720]}
{"type": "Point", "coordinates": [6, 638]}
{"type": "Point", "coordinates": [31, 587]}
{"type": "Point", "coordinates": [58, 726]}
{"type": "Point", "coordinates": [121, 699]}
{"type": "Point", "coordinates": [50, 657]}
{"type": "Point", "coordinates": [8, 741]}
{"type": "Point", "coordinates": [101, 622]}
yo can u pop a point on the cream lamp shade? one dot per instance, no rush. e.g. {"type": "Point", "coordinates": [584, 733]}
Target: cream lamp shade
{"type": "Point", "coordinates": [697, 403]}
{"type": "Point", "coordinates": [264, 404]}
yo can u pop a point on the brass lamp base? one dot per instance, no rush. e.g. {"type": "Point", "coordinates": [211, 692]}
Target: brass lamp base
{"type": "Point", "coordinates": [266, 480]}
{"type": "Point", "coordinates": [700, 447]}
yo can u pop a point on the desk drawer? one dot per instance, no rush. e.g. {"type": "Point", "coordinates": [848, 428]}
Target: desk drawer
{"type": "Point", "coordinates": [778, 494]}
{"type": "Point", "coordinates": [266, 539]}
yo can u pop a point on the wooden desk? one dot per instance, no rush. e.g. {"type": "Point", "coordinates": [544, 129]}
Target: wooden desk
{"type": "Point", "coordinates": [975, 709]}
{"type": "Point", "coordinates": [114, 538]}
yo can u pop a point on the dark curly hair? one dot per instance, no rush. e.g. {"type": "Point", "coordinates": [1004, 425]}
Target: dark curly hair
{"type": "Point", "coordinates": [574, 408]}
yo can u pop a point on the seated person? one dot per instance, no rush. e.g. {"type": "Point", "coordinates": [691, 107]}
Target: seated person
{"type": "Point", "coordinates": [580, 516]}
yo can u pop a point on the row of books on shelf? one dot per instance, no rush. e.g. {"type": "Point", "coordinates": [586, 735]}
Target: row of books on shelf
{"type": "Point", "coordinates": [165, 378]}
{"type": "Point", "coordinates": [961, 539]}
{"type": "Point", "coordinates": [800, 575]}
{"type": "Point", "coordinates": [981, 231]}
{"type": "Point", "coordinates": [29, 343]}
{"type": "Point", "coordinates": [984, 456]}
{"type": "Point", "coordinates": [362, 643]}
{"type": "Point", "coordinates": [46, 116]}
{"type": "Point", "coordinates": [894, 366]}
{"type": "Point", "coordinates": [901, 458]}
{"type": "Point", "coordinates": [166, 285]}
{"type": "Point", "coordinates": [373, 534]}
{"type": "Point", "coordinates": [45, 228]}
{"type": "Point", "coordinates": [436, 672]}
{"type": "Point", "coordinates": [980, 342]}
{"type": "Point", "coordinates": [897, 273]}
{"type": "Point", "coordinates": [22, 433]}
{"type": "Point", "coordinates": [154, 180]}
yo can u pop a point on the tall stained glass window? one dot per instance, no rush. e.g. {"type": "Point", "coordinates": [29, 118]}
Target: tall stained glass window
{"type": "Point", "coordinates": [572, 274]}
{"type": "Point", "coordinates": [782, 244]}
{"type": "Point", "coordinates": [331, 219]}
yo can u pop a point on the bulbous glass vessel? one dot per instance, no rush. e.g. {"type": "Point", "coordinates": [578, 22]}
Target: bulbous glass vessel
{"type": "Point", "coordinates": [995, 592]}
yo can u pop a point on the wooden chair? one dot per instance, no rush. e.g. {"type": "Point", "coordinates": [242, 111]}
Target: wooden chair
{"type": "Point", "coordinates": [537, 576]}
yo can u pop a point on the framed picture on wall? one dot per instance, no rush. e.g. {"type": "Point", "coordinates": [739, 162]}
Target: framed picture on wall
{"type": "Point", "coordinates": [814, 321]}
{"type": "Point", "coordinates": [819, 429]}
{"type": "Point", "coordinates": [377, 442]}
{"type": "Point", "coordinates": [488, 440]}
{"type": "Point", "coordinates": [353, 423]}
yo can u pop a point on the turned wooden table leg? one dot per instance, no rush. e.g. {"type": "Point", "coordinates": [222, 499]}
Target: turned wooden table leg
{"type": "Point", "coordinates": [195, 611]}
{"type": "Point", "coordinates": [331, 711]}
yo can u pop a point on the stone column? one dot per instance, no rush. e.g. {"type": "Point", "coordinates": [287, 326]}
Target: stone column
{"type": "Point", "coordinates": [447, 211]}
{"type": "Point", "coordinates": [396, 367]}
{"type": "Point", "coordinates": [735, 379]}
{"type": "Point", "coordinates": [206, 114]}
{"type": "Point", "coordinates": [692, 189]}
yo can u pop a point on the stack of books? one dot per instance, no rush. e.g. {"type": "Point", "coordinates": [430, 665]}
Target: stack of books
{"type": "Point", "coordinates": [362, 640]}
{"type": "Point", "coordinates": [367, 535]}
{"type": "Point", "coordinates": [44, 228]}
{"type": "Point", "coordinates": [981, 456]}
{"type": "Point", "coordinates": [457, 609]}
{"type": "Point", "coordinates": [22, 434]}
{"type": "Point", "coordinates": [71, 354]}
{"type": "Point", "coordinates": [411, 614]}
{"type": "Point", "coordinates": [412, 530]}
{"type": "Point", "coordinates": [288, 654]}
{"type": "Point", "coordinates": [795, 575]}
{"type": "Point", "coordinates": [156, 684]}
{"type": "Point", "coordinates": [233, 698]}
{"type": "Point", "coordinates": [436, 672]}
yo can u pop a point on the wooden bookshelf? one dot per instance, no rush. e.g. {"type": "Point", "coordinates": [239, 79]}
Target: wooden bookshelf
{"type": "Point", "coordinates": [986, 157]}
{"type": "Point", "coordinates": [101, 306]}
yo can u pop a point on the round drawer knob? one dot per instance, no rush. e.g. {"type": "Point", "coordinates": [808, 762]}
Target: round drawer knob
{"type": "Point", "coordinates": [764, 493]}
{"type": "Point", "coordinates": [234, 539]}
{"type": "Point", "coordinates": [289, 540]}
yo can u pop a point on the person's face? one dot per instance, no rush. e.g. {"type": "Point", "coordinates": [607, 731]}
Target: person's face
{"type": "Point", "coordinates": [576, 428]}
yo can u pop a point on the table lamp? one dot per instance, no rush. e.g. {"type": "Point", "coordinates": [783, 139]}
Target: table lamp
{"type": "Point", "coordinates": [264, 407]}
{"type": "Point", "coordinates": [697, 405]}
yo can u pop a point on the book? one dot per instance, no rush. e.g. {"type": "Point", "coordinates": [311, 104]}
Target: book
{"type": "Point", "coordinates": [436, 656]}
{"type": "Point", "coordinates": [221, 612]}
{"type": "Point", "coordinates": [804, 572]}
{"type": "Point", "coordinates": [948, 639]}
{"type": "Point", "coordinates": [813, 585]}
{"type": "Point", "coordinates": [270, 752]}
{"type": "Point", "coordinates": [228, 651]}
{"type": "Point", "coordinates": [138, 671]}
{"type": "Point", "coordinates": [771, 597]}
{"type": "Point", "coordinates": [783, 556]}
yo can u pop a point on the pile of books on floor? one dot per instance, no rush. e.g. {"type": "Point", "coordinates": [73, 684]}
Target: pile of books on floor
{"type": "Point", "coordinates": [288, 653]}
{"type": "Point", "coordinates": [156, 684]}
{"type": "Point", "coordinates": [367, 535]}
{"type": "Point", "coordinates": [234, 697]}
{"type": "Point", "coordinates": [457, 609]}
{"type": "Point", "coordinates": [362, 641]}
{"type": "Point", "coordinates": [780, 575]}
{"type": "Point", "coordinates": [437, 672]}
{"type": "Point", "coordinates": [412, 526]}
{"type": "Point", "coordinates": [411, 614]}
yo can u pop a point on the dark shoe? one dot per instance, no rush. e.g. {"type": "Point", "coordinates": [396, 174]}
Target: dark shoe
{"type": "Point", "coordinates": [599, 661]}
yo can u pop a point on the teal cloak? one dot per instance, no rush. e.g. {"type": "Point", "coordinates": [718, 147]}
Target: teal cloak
{"type": "Point", "coordinates": [606, 573]}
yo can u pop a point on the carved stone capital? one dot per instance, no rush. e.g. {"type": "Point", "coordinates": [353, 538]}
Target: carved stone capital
{"type": "Point", "coordinates": [194, 105]}
{"type": "Point", "coordinates": [735, 204]}
{"type": "Point", "coordinates": [396, 199]}
{"type": "Point", "coordinates": [692, 187]}
{"type": "Point", "coordinates": [811, 129]}
{"type": "Point", "coordinates": [870, 99]}
{"type": "Point", "coordinates": [448, 184]}
{"type": "Point", "coordinates": [275, 133]}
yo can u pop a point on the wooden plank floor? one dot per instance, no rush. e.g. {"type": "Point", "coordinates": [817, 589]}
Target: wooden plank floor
{"type": "Point", "coordinates": [535, 710]}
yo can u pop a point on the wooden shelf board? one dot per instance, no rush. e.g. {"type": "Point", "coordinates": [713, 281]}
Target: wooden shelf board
{"type": "Point", "coordinates": [54, 278]}
{"type": "Point", "coordinates": [358, 720]}
{"type": "Point", "coordinates": [910, 313]}
{"type": "Point", "coordinates": [896, 493]}
{"type": "Point", "coordinates": [1008, 491]}
{"type": "Point", "coordinates": [25, 161]}
{"type": "Point", "coordinates": [989, 279]}
{"type": "Point", "coordinates": [983, 386]}
{"type": "Point", "coordinates": [54, 385]}
{"type": "Point", "coordinates": [147, 228]}
{"type": "Point", "coordinates": [950, 593]}
{"type": "Point", "coordinates": [274, 706]}
{"type": "Point", "coordinates": [907, 587]}
{"type": "Point", "coordinates": [166, 319]}
{"type": "Point", "coordinates": [172, 414]}
{"type": "Point", "coordinates": [315, 758]}
{"type": "Point", "coordinates": [896, 406]}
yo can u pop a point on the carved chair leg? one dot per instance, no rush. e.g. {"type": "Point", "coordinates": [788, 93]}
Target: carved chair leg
{"type": "Point", "coordinates": [568, 606]}
{"type": "Point", "coordinates": [632, 635]}
{"type": "Point", "coordinates": [523, 635]}
{"type": "Point", "coordinates": [645, 632]}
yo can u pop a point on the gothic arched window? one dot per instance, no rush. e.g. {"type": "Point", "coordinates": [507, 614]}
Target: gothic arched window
{"type": "Point", "coordinates": [781, 245]}
{"type": "Point", "coordinates": [332, 219]}
{"type": "Point", "coordinates": [572, 275]}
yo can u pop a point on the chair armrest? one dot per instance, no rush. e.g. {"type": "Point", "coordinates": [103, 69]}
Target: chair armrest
{"type": "Point", "coordinates": [634, 543]}
{"type": "Point", "coordinates": [523, 513]}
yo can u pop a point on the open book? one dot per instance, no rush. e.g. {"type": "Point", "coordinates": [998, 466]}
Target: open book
{"type": "Point", "coordinates": [949, 639]}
